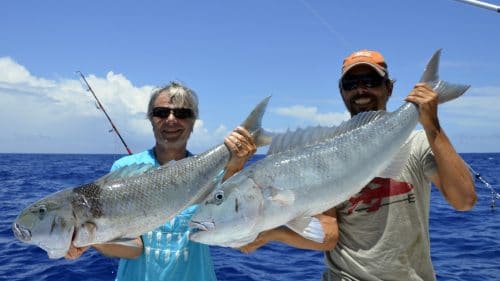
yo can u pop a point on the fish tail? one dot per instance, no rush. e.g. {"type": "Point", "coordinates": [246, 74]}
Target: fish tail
{"type": "Point", "coordinates": [446, 91]}
{"type": "Point", "coordinates": [253, 123]}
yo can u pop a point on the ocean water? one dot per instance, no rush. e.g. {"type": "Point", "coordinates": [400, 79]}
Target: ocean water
{"type": "Point", "coordinates": [464, 245]}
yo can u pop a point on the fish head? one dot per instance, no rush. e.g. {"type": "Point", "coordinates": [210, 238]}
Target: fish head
{"type": "Point", "coordinates": [227, 216]}
{"type": "Point", "coordinates": [48, 224]}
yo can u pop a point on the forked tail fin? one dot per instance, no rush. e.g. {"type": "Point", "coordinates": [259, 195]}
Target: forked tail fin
{"type": "Point", "coordinates": [253, 123]}
{"type": "Point", "coordinates": [446, 91]}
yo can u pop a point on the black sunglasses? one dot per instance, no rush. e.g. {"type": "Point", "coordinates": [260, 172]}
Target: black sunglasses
{"type": "Point", "coordinates": [351, 82]}
{"type": "Point", "coordinates": [179, 113]}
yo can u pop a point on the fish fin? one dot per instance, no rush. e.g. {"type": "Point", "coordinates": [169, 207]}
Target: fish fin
{"type": "Point", "coordinates": [125, 172]}
{"type": "Point", "coordinates": [431, 71]}
{"type": "Point", "coordinates": [358, 121]}
{"type": "Point", "coordinates": [282, 197]}
{"type": "Point", "coordinates": [262, 137]}
{"type": "Point", "coordinates": [313, 135]}
{"type": "Point", "coordinates": [308, 227]}
{"type": "Point", "coordinates": [299, 138]}
{"type": "Point", "coordinates": [446, 91]}
{"type": "Point", "coordinates": [124, 241]}
{"type": "Point", "coordinates": [241, 242]}
{"type": "Point", "coordinates": [253, 123]}
{"type": "Point", "coordinates": [393, 170]}
{"type": "Point", "coordinates": [254, 120]}
{"type": "Point", "coordinates": [85, 234]}
{"type": "Point", "coordinates": [56, 254]}
{"type": "Point", "coordinates": [217, 180]}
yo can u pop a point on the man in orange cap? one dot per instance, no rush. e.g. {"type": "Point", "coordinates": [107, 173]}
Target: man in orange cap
{"type": "Point", "coordinates": [382, 233]}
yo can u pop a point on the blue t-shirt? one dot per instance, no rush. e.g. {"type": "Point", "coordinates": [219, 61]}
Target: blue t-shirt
{"type": "Point", "coordinates": [168, 253]}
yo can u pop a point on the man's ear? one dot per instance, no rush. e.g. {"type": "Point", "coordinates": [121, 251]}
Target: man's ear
{"type": "Point", "coordinates": [389, 83]}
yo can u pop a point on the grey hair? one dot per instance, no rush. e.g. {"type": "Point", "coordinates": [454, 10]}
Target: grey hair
{"type": "Point", "coordinates": [180, 96]}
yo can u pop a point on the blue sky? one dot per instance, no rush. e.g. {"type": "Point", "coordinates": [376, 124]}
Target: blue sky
{"type": "Point", "coordinates": [233, 54]}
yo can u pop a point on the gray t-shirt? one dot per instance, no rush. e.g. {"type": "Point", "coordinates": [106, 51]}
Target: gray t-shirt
{"type": "Point", "coordinates": [384, 229]}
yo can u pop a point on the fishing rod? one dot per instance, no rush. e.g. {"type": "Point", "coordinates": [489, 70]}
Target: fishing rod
{"type": "Point", "coordinates": [99, 106]}
{"type": "Point", "coordinates": [494, 194]}
{"type": "Point", "coordinates": [481, 4]}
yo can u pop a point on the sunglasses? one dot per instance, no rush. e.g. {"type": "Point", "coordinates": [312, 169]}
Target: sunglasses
{"type": "Point", "coordinates": [351, 82]}
{"type": "Point", "coordinates": [179, 113]}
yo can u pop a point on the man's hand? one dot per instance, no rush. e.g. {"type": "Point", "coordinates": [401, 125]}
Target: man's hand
{"type": "Point", "coordinates": [427, 101]}
{"type": "Point", "coordinates": [242, 147]}
{"type": "Point", "coordinates": [75, 252]}
{"type": "Point", "coordinates": [263, 238]}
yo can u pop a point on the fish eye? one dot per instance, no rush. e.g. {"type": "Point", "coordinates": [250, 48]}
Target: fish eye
{"type": "Point", "coordinates": [41, 211]}
{"type": "Point", "coordinates": [219, 197]}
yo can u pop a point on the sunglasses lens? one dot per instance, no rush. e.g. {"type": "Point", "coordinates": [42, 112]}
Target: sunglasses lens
{"type": "Point", "coordinates": [161, 112]}
{"type": "Point", "coordinates": [351, 82]}
{"type": "Point", "coordinates": [179, 113]}
{"type": "Point", "coordinates": [349, 85]}
{"type": "Point", "coordinates": [183, 113]}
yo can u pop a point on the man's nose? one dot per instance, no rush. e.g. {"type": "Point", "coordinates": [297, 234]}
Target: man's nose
{"type": "Point", "coordinates": [171, 117]}
{"type": "Point", "coordinates": [361, 86]}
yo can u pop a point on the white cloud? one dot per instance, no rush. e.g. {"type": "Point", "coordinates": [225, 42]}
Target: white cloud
{"type": "Point", "coordinates": [42, 115]}
{"type": "Point", "coordinates": [478, 108]}
{"type": "Point", "coordinates": [13, 73]}
{"type": "Point", "coordinates": [202, 138]}
{"type": "Point", "coordinates": [311, 114]}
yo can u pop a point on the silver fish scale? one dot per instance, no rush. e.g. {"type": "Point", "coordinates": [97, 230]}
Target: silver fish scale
{"type": "Point", "coordinates": [319, 169]}
{"type": "Point", "coordinates": [146, 201]}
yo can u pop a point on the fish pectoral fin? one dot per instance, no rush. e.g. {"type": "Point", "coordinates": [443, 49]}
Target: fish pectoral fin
{"type": "Point", "coordinates": [241, 242]}
{"type": "Point", "coordinates": [56, 254]}
{"type": "Point", "coordinates": [393, 171]}
{"type": "Point", "coordinates": [282, 197]}
{"type": "Point", "coordinates": [308, 227]}
{"type": "Point", "coordinates": [90, 227]}
{"type": "Point", "coordinates": [85, 234]}
{"type": "Point", "coordinates": [124, 241]}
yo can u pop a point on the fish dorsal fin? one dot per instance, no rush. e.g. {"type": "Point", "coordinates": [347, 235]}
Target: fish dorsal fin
{"type": "Point", "coordinates": [313, 135]}
{"type": "Point", "coordinates": [397, 163]}
{"type": "Point", "coordinates": [308, 227]}
{"type": "Point", "coordinates": [359, 120]}
{"type": "Point", "coordinates": [300, 137]}
{"type": "Point", "coordinates": [125, 172]}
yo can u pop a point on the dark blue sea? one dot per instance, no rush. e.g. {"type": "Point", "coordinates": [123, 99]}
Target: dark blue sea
{"type": "Point", "coordinates": [465, 245]}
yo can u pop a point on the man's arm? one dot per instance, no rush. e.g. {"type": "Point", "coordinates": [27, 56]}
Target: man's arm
{"type": "Point", "coordinates": [130, 251]}
{"type": "Point", "coordinates": [287, 236]}
{"type": "Point", "coordinates": [453, 177]}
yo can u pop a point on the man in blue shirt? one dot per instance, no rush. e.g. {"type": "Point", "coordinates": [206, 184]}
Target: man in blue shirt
{"type": "Point", "coordinates": [166, 253]}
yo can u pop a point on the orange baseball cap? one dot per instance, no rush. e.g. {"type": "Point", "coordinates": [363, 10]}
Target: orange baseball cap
{"type": "Point", "coordinates": [371, 58]}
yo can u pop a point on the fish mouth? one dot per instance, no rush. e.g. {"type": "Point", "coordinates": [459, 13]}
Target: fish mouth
{"type": "Point", "coordinates": [22, 233]}
{"type": "Point", "coordinates": [202, 225]}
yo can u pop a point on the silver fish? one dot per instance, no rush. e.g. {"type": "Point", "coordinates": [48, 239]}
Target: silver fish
{"type": "Point", "coordinates": [128, 202]}
{"type": "Point", "coordinates": [304, 176]}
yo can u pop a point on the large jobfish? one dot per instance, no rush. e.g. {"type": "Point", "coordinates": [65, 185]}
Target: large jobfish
{"type": "Point", "coordinates": [125, 203]}
{"type": "Point", "coordinates": [302, 176]}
